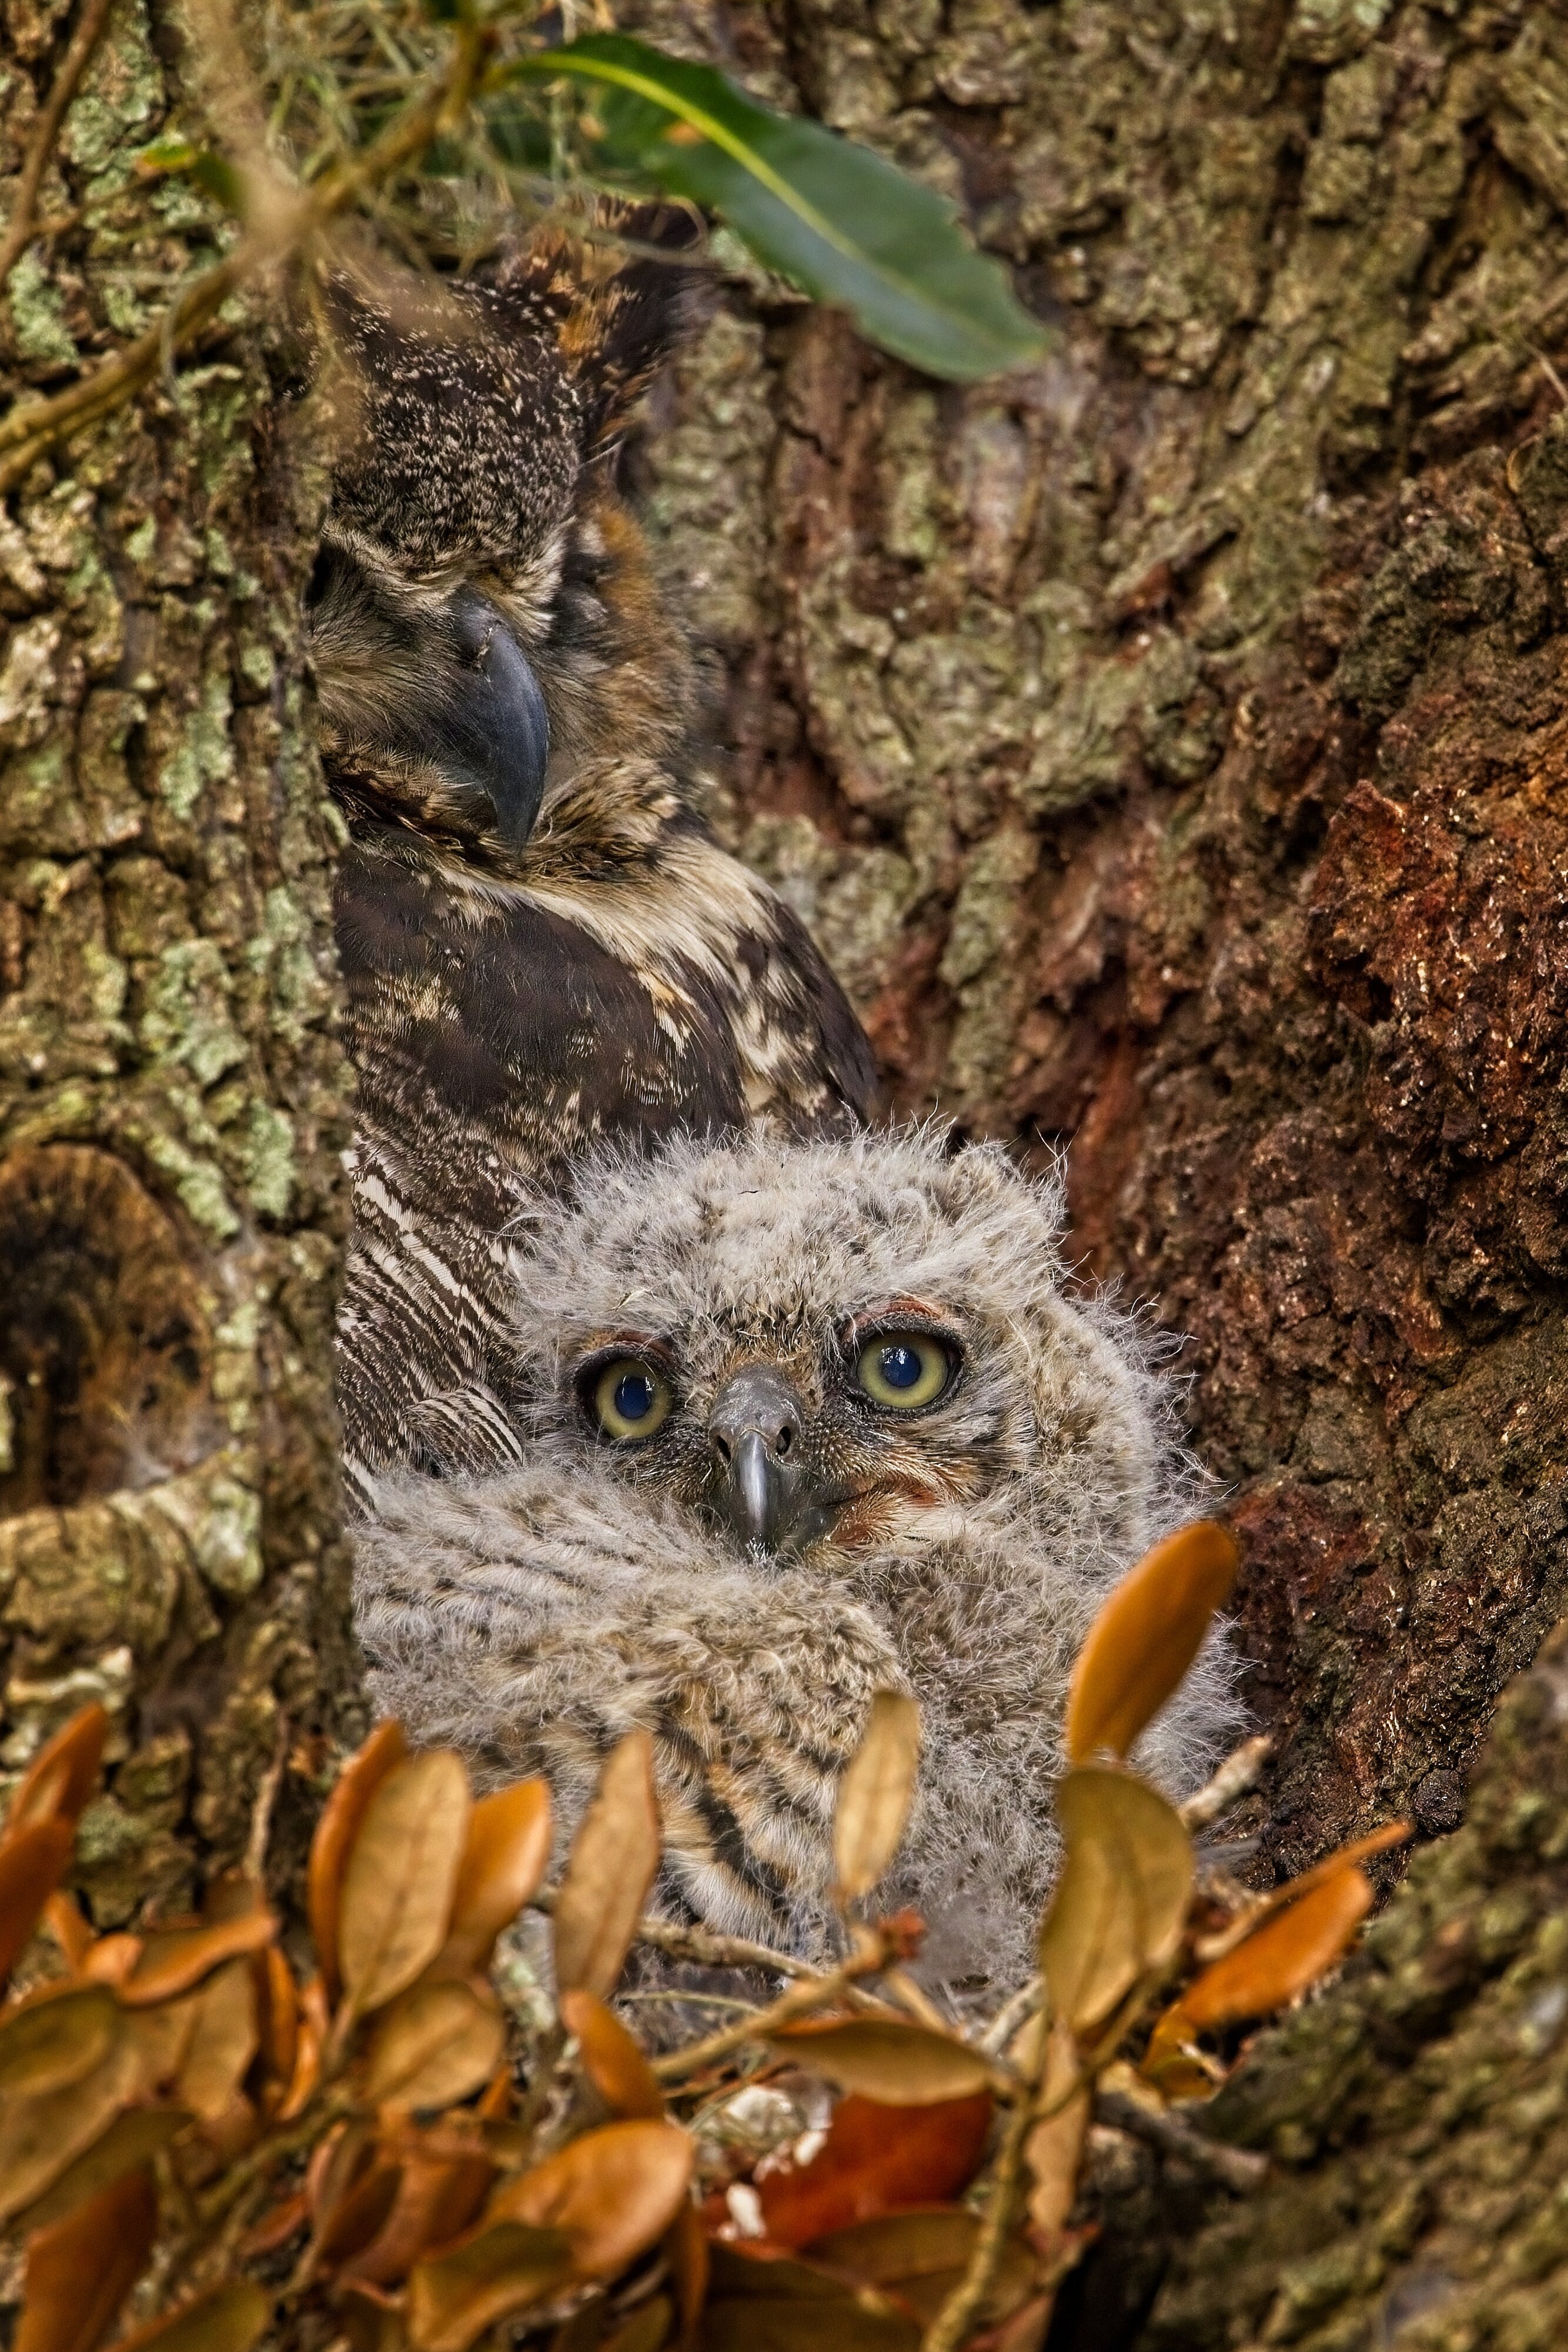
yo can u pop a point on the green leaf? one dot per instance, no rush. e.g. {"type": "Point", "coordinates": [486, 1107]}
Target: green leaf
{"type": "Point", "coordinates": [846, 226]}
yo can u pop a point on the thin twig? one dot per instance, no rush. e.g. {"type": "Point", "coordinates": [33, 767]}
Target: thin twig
{"type": "Point", "coordinates": [261, 1811]}
{"type": "Point", "coordinates": [1010, 2016]}
{"type": "Point", "coordinates": [799, 2002]}
{"type": "Point", "coordinates": [46, 130]}
{"type": "Point", "coordinates": [953, 2323]}
{"type": "Point", "coordinates": [38, 425]}
{"type": "Point", "coordinates": [700, 1946]}
{"type": "Point", "coordinates": [1237, 2167]}
{"type": "Point", "coordinates": [1237, 1774]}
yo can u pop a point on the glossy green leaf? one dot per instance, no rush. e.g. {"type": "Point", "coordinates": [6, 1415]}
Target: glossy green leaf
{"type": "Point", "coordinates": [843, 222]}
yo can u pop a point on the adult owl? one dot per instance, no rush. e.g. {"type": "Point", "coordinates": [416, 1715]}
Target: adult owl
{"type": "Point", "coordinates": [801, 1422]}
{"type": "Point", "coordinates": [542, 945]}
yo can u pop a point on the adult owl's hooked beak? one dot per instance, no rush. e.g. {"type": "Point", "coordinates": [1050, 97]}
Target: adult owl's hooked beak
{"type": "Point", "coordinates": [759, 1484]}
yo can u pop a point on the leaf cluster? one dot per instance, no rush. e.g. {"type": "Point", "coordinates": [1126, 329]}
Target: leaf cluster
{"type": "Point", "coordinates": [202, 2141]}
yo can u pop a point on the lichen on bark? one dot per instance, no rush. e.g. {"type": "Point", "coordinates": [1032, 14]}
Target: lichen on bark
{"type": "Point", "coordinates": [173, 1103]}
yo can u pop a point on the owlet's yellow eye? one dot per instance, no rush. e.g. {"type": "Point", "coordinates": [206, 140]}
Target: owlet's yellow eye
{"type": "Point", "coordinates": [630, 1398]}
{"type": "Point", "coordinates": [904, 1369]}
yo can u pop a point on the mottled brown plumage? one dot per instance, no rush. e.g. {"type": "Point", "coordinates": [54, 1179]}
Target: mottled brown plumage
{"type": "Point", "coordinates": [720, 1531]}
{"type": "Point", "coordinates": [542, 945]}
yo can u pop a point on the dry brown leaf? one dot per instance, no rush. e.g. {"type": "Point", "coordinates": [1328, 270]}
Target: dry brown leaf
{"type": "Point", "coordinates": [505, 1857]}
{"type": "Point", "coordinates": [44, 2134]}
{"type": "Point", "coordinates": [1145, 1637]}
{"type": "Point", "coordinates": [47, 2042]}
{"type": "Point", "coordinates": [1053, 2152]}
{"type": "Point", "coordinates": [31, 1862]}
{"type": "Point", "coordinates": [127, 2146]}
{"type": "Point", "coordinates": [614, 1861]}
{"type": "Point", "coordinates": [372, 2320]}
{"type": "Point", "coordinates": [686, 2252]}
{"type": "Point", "coordinates": [227, 2318]}
{"type": "Point", "coordinates": [80, 2271]}
{"type": "Point", "coordinates": [900, 2065]}
{"type": "Point", "coordinates": [1121, 1898]}
{"type": "Point", "coordinates": [306, 2073]}
{"type": "Point", "coordinates": [222, 2042]}
{"type": "Point", "coordinates": [63, 1775]}
{"type": "Point", "coordinates": [875, 1795]}
{"type": "Point", "coordinates": [1361, 1849]}
{"type": "Point", "coordinates": [397, 1888]}
{"type": "Point", "coordinates": [355, 2220]}
{"type": "Point", "coordinates": [336, 1830]}
{"type": "Point", "coordinates": [1285, 1956]}
{"type": "Point", "coordinates": [920, 2256]}
{"type": "Point", "coordinates": [647, 2329]}
{"type": "Point", "coordinates": [506, 2266]}
{"type": "Point", "coordinates": [613, 2060]}
{"type": "Point", "coordinates": [108, 1959]}
{"type": "Point", "coordinates": [434, 2046]}
{"type": "Point", "coordinates": [789, 2306]}
{"type": "Point", "coordinates": [437, 2200]}
{"type": "Point", "coordinates": [612, 2191]}
{"type": "Point", "coordinates": [172, 1962]}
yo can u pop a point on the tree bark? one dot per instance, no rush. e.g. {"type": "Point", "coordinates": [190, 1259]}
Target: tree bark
{"type": "Point", "coordinates": [1167, 745]}
{"type": "Point", "coordinates": [175, 1104]}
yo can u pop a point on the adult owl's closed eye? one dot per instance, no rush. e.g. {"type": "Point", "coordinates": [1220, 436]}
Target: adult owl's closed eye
{"type": "Point", "coordinates": [542, 944]}
{"type": "Point", "coordinates": [801, 1422]}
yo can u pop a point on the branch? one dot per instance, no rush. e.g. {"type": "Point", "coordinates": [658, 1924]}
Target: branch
{"type": "Point", "coordinates": [1239, 1773]}
{"type": "Point", "coordinates": [46, 130]}
{"type": "Point", "coordinates": [40, 424]}
{"type": "Point", "coordinates": [1238, 2168]}
{"type": "Point", "coordinates": [814, 1992]}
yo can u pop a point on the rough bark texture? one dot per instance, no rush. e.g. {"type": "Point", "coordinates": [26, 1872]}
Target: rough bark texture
{"type": "Point", "coordinates": [1168, 743]}
{"type": "Point", "coordinates": [1418, 2114]}
{"type": "Point", "coordinates": [173, 1103]}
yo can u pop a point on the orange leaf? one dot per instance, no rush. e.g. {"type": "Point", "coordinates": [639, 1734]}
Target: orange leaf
{"type": "Point", "coordinates": [1145, 1637]}
{"type": "Point", "coordinates": [1286, 1955]}
{"type": "Point", "coordinates": [228, 2318]}
{"type": "Point", "coordinates": [31, 1861]}
{"type": "Point", "coordinates": [336, 1830]}
{"type": "Point", "coordinates": [506, 1855]}
{"type": "Point", "coordinates": [614, 1861]}
{"type": "Point", "coordinates": [435, 2202]}
{"type": "Point", "coordinates": [306, 2072]}
{"type": "Point", "coordinates": [875, 2160]}
{"type": "Point", "coordinates": [278, 2002]}
{"type": "Point", "coordinates": [686, 2252]}
{"type": "Point", "coordinates": [172, 1963]}
{"type": "Point", "coordinates": [79, 2272]}
{"type": "Point", "coordinates": [397, 1885]}
{"type": "Point", "coordinates": [62, 1775]}
{"type": "Point", "coordinates": [1361, 1849]}
{"type": "Point", "coordinates": [63, 1917]}
{"type": "Point", "coordinates": [612, 2191]}
{"type": "Point", "coordinates": [282, 2222]}
{"type": "Point", "coordinates": [614, 2062]}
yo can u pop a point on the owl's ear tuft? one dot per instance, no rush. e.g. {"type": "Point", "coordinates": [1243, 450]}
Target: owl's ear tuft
{"type": "Point", "coordinates": [616, 301]}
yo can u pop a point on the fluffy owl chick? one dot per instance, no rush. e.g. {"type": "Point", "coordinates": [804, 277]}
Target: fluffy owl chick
{"type": "Point", "coordinates": [803, 1420]}
{"type": "Point", "coordinates": [542, 945]}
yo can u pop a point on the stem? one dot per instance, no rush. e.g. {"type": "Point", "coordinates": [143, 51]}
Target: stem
{"type": "Point", "coordinates": [1241, 2170]}
{"type": "Point", "coordinates": [1237, 1774]}
{"type": "Point", "coordinates": [957, 2315]}
{"type": "Point", "coordinates": [73, 65]}
{"type": "Point", "coordinates": [799, 2002]}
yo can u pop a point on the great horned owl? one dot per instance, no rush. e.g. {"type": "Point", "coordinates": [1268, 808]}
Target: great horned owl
{"type": "Point", "coordinates": [542, 945]}
{"type": "Point", "coordinates": [801, 1422]}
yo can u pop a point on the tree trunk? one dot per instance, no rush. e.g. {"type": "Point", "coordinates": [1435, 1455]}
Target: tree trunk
{"type": "Point", "coordinates": [173, 1101]}
{"type": "Point", "coordinates": [1168, 744]}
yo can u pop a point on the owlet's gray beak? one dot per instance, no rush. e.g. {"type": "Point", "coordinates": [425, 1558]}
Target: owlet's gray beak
{"type": "Point", "coordinates": [759, 1482]}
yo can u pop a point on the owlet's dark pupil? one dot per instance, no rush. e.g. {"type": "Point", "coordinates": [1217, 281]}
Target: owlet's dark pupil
{"type": "Point", "coordinates": [900, 1367]}
{"type": "Point", "coordinates": [634, 1396]}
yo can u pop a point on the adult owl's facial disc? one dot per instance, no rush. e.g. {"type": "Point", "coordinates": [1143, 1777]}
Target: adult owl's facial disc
{"type": "Point", "coordinates": [432, 680]}
{"type": "Point", "coordinates": [782, 1451]}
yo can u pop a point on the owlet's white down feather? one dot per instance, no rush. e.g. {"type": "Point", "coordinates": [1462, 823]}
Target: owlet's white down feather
{"type": "Point", "coordinates": [800, 1420]}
